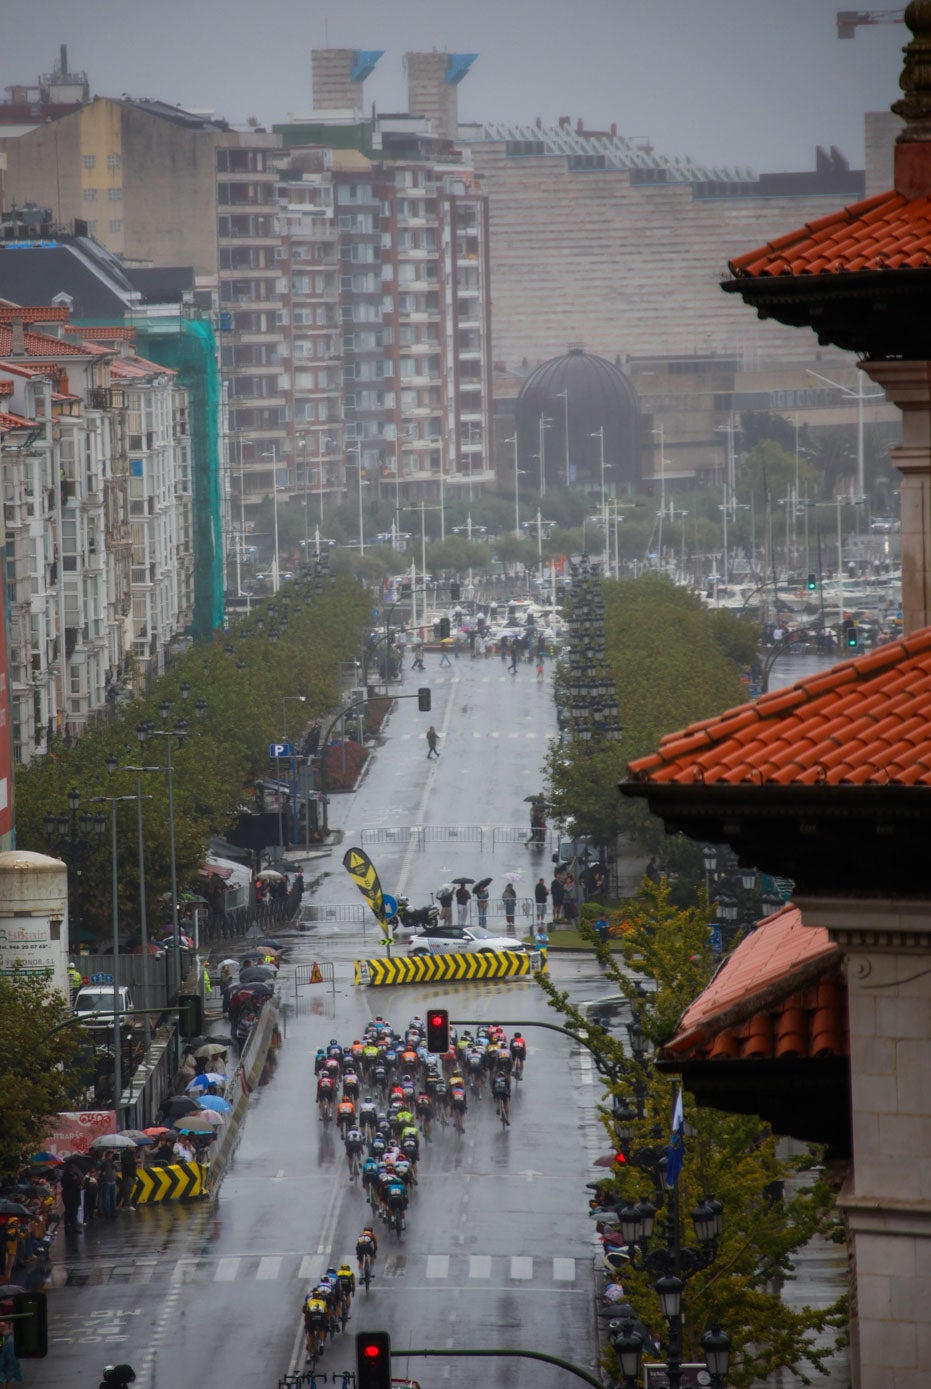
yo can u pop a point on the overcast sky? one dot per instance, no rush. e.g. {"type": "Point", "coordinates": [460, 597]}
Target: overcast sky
{"type": "Point", "coordinates": [730, 82]}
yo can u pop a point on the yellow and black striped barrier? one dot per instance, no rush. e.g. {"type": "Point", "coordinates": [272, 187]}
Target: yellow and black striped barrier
{"type": "Point", "coordinates": [419, 969]}
{"type": "Point", "coordinates": [176, 1182]}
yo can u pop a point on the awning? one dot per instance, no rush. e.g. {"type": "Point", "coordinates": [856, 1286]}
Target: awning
{"type": "Point", "coordinates": [234, 874]}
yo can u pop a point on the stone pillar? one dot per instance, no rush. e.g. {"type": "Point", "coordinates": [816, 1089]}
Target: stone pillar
{"type": "Point", "coordinates": [886, 1198]}
{"type": "Point", "coordinates": [908, 385]}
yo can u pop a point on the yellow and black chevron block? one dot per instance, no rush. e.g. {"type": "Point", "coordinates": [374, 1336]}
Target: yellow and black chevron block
{"type": "Point", "coordinates": [174, 1183]}
{"type": "Point", "coordinates": [419, 969]}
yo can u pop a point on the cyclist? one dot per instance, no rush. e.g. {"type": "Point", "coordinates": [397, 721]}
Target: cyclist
{"type": "Point", "coordinates": [350, 1086]}
{"type": "Point", "coordinates": [316, 1322]}
{"type": "Point", "coordinates": [348, 1282]}
{"type": "Point", "coordinates": [501, 1088]}
{"type": "Point", "coordinates": [334, 1049]}
{"type": "Point", "coordinates": [345, 1116]}
{"type": "Point", "coordinates": [319, 1061]}
{"type": "Point", "coordinates": [367, 1244]}
{"type": "Point", "coordinates": [395, 1201]}
{"type": "Point", "coordinates": [325, 1096]}
{"type": "Point", "coordinates": [355, 1145]}
{"type": "Point", "coordinates": [457, 1103]}
{"type": "Point", "coordinates": [518, 1051]}
{"type": "Point", "coordinates": [368, 1113]}
{"type": "Point", "coordinates": [424, 1110]}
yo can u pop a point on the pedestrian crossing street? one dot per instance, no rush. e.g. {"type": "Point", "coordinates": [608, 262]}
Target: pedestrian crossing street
{"type": "Point", "coordinates": [472, 1270]}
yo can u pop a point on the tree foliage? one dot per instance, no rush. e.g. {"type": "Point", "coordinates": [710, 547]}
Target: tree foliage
{"type": "Point", "coordinates": [673, 662]}
{"type": "Point", "coordinates": [226, 750]}
{"type": "Point", "coordinates": [732, 1157]}
{"type": "Point", "coordinates": [35, 1080]}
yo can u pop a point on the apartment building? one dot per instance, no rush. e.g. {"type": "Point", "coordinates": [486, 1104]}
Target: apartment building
{"type": "Point", "coordinates": [93, 445]}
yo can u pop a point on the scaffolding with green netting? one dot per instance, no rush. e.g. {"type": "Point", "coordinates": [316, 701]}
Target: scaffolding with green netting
{"type": "Point", "coordinates": [188, 346]}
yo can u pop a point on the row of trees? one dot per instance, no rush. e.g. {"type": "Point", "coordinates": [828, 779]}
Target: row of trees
{"type": "Point", "coordinates": [241, 679]}
{"type": "Point", "coordinates": [773, 1204]}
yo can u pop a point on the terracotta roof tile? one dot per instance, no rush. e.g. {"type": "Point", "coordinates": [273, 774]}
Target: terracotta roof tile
{"type": "Point", "coordinates": [8, 421]}
{"type": "Point", "coordinates": [865, 721]}
{"type": "Point", "coordinates": [887, 232]}
{"type": "Point", "coordinates": [780, 993]}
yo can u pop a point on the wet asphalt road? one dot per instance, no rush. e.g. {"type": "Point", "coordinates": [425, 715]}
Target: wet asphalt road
{"type": "Point", "coordinates": [498, 1249]}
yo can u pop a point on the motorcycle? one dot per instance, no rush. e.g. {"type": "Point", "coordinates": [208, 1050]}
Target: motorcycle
{"type": "Point", "coordinates": [413, 918]}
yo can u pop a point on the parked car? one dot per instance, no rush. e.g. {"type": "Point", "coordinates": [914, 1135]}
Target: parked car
{"type": "Point", "coordinates": [94, 1005]}
{"type": "Point", "coordinates": [443, 940]}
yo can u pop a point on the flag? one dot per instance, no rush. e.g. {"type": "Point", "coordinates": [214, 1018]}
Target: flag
{"type": "Point", "coordinates": [676, 1150]}
{"type": "Point", "coordinates": [362, 872]}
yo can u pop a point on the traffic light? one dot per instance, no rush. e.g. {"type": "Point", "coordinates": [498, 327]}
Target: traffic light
{"type": "Point", "coordinates": [455, 592]}
{"type": "Point", "coordinates": [437, 1031]}
{"type": "Point", "coordinates": [190, 1015]}
{"type": "Point", "coordinates": [423, 699]}
{"type": "Point", "coordinates": [812, 582]}
{"type": "Point", "coordinates": [373, 1360]}
{"type": "Point", "coordinates": [30, 1326]}
{"type": "Point", "coordinates": [444, 628]}
{"type": "Point", "coordinates": [851, 636]}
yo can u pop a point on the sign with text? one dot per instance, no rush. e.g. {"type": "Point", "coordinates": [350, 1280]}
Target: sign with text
{"type": "Point", "coordinates": [74, 1132]}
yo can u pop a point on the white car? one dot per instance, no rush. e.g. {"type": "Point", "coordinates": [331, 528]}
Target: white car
{"type": "Point", "coordinates": [442, 940]}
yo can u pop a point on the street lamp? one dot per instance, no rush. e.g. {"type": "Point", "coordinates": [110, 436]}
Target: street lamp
{"type": "Point", "coordinates": [357, 450]}
{"type": "Point", "coordinates": [273, 455]}
{"type": "Point", "coordinates": [113, 802]}
{"type": "Point", "coordinates": [859, 397]}
{"type": "Point", "coordinates": [111, 765]}
{"type": "Point", "coordinates": [599, 434]}
{"type": "Point", "coordinates": [628, 1347]}
{"type": "Point", "coordinates": [72, 837]}
{"type": "Point", "coordinates": [544, 424]}
{"type": "Point", "coordinates": [716, 1345]}
{"type": "Point", "coordinates": [296, 699]}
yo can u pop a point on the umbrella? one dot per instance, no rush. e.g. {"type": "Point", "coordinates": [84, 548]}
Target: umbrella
{"type": "Point", "coordinates": [156, 1131]}
{"type": "Point", "coordinates": [514, 877]}
{"type": "Point", "coordinates": [83, 1160]}
{"type": "Point", "coordinates": [216, 1103]}
{"type": "Point", "coordinates": [138, 1136]}
{"type": "Point", "coordinates": [483, 883]}
{"type": "Point", "coordinates": [112, 1140]}
{"type": "Point", "coordinates": [606, 1160]}
{"type": "Point", "coordinates": [228, 964]}
{"type": "Point", "coordinates": [24, 1189]}
{"type": "Point", "coordinates": [211, 1049]}
{"type": "Point", "coordinates": [151, 949]}
{"type": "Point", "coordinates": [45, 1160]}
{"type": "Point", "coordinates": [178, 1105]}
{"type": "Point", "coordinates": [8, 1290]}
{"type": "Point", "coordinates": [185, 940]}
{"type": "Point", "coordinates": [270, 873]}
{"type": "Point", "coordinates": [198, 1123]}
{"type": "Point", "coordinates": [272, 944]}
{"type": "Point", "coordinates": [208, 1078]}
{"type": "Point", "coordinates": [256, 974]}
{"type": "Point", "coordinates": [219, 1039]}
{"type": "Point", "coordinates": [13, 1207]}
{"type": "Point", "coordinates": [463, 880]}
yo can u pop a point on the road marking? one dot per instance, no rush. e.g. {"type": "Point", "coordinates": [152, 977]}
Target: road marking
{"type": "Point", "coordinates": [521, 1266]}
{"type": "Point", "coordinates": [269, 1267]}
{"type": "Point", "coordinates": [480, 1266]}
{"type": "Point", "coordinates": [226, 1270]}
{"type": "Point", "coordinates": [438, 1266]}
{"type": "Point", "coordinates": [564, 1270]}
{"type": "Point", "coordinates": [311, 1268]}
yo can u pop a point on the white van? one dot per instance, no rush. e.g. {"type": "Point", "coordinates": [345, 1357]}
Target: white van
{"type": "Point", "coordinates": [98, 1001]}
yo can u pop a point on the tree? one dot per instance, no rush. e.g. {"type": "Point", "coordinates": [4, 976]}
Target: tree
{"type": "Point", "coordinates": [770, 1210]}
{"type": "Point", "coordinates": [673, 661]}
{"type": "Point", "coordinates": [36, 1079]}
{"type": "Point", "coordinates": [769, 471]}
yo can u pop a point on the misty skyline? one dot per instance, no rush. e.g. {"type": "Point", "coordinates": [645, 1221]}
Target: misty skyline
{"type": "Point", "coordinates": [754, 83]}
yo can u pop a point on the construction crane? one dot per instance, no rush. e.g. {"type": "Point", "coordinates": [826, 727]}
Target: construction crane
{"type": "Point", "coordinates": [848, 21]}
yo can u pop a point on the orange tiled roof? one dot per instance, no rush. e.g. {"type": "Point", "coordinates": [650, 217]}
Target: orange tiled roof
{"type": "Point", "coordinates": [102, 333]}
{"type": "Point", "coordinates": [864, 721]}
{"type": "Point", "coordinates": [39, 344]}
{"type": "Point", "coordinates": [779, 994]}
{"type": "Point", "coordinates": [886, 232]}
{"type": "Point", "coordinates": [138, 368]}
{"type": "Point", "coordinates": [8, 421]}
{"type": "Point", "coordinates": [35, 313]}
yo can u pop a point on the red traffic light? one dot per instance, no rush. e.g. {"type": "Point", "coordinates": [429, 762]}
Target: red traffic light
{"type": "Point", "coordinates": [373, 1360]}
{"type": "Point", "coordinates": [438, 1031]}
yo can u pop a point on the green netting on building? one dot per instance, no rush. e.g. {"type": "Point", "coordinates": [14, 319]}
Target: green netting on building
{"type": "Point", "coordinates": [189, 347]}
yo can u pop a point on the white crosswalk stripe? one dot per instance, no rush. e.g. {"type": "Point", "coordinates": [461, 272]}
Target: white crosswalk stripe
{"type": "Point", "coordinates": [307, 1268]}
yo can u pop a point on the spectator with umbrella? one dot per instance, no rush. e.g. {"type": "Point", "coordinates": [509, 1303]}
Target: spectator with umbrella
{"type": "Point", "coordinates": [480, 893]}
{"type": "Point", "coordinates": [463, 898]}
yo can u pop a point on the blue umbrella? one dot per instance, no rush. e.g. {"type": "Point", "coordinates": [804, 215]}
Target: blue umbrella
{"type": "Point", "coordinates": [201, 1082]}
{"type": "Point", "coordinates": [216, 1102]}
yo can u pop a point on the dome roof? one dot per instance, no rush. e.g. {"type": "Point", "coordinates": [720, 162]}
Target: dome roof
{"type": "Point", "coordinates": [592, 394]}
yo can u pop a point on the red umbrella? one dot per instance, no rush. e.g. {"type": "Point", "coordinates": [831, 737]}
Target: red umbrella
{"type": "Point", "coordinates": [157, 1131]}
{"type": "Point", "coordinates": [606, 1160]}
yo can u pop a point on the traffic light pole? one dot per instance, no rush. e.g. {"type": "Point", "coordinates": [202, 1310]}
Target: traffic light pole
{"type": "Point", "coordinates": [566, 1365]}
{"type": "Point", "coordinates": [604, 1066]}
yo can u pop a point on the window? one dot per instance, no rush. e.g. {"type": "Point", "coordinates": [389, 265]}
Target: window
{"type": "Point", "coordinates": [90, 195]}
{"type": "Point", "coordinates": [115, 195]}
{"type": "Point", "coordinates": [90, 161]}
{"type": "Point", "coordinates": [116, 225]}
{"type": "Point", "coordinates": [114, 161]}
